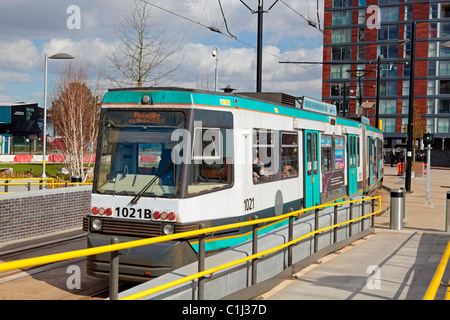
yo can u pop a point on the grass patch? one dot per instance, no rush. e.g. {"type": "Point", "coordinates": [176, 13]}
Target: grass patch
{"type": "Point", "coordinates": [28, 170]}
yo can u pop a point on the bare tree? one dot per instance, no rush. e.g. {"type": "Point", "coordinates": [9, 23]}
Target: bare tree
{"type": "Point", "coordinates": [75, 114]}
{"type": "Point", "coordinates": [143, 54]}
{"type": "Point", "coordinates": [205, 82]}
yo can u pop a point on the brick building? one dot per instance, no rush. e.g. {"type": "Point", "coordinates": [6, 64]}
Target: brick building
{"type": "Point", "coordinates": [357, 32]}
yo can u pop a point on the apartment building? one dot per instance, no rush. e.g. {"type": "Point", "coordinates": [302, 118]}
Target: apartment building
{"type": "Point", "coordinates": [358, 33]}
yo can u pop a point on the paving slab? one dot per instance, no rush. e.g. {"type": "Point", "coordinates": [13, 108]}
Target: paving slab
{"type": "Point", "coordinates": [388, 264]}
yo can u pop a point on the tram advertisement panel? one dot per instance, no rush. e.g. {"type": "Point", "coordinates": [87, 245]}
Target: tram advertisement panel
{"type": "Point", "coordinates": [332, 164]}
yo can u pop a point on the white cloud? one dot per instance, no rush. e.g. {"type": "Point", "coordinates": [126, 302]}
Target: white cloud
{"type": "Point", "coordinates": [286, 35]}
{"type": "Point", "coordinates": [90, 51]}
{"type": "Point", "coordinates": [20, 55]}
{"type": "Point", "coordinates": [15, 77]}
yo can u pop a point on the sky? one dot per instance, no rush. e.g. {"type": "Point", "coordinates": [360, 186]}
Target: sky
{"type": "Point", "coordinates": [29, 29]}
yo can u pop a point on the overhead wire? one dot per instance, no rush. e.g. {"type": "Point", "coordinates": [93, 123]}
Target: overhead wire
{"type": "Point", "coordinates": [310, 22]}
{"type": "Point", "coordinates": [214, 29]}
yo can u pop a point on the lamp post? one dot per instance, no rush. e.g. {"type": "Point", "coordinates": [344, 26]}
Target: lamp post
{"type": "Point", "coordinates": [409, 146]}
{"type": "Point", "coordinates": [58, 56]}
{"type": "Point", "coordinates": [215, 53]}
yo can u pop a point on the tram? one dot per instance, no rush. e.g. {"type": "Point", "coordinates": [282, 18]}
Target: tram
{"type": "Point", "coordinates": [171, 158]}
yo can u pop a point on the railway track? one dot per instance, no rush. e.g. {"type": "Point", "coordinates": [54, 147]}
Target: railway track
{"type": "Point", "coordinates": [64, 280]}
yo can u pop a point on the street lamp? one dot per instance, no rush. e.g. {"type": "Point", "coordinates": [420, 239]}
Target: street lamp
{"type": "Point", "coordinates": [58, 56]}
{"type": "Point", "coordinates": [215, 53]}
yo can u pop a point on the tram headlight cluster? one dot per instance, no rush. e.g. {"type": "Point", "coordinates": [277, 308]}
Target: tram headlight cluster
{"type": "Point", "coordinates": [101, 211]}
{"type": "Point", "coordinates": [96, 224]}
{"type": "Point", "coordinates": [125, 212]}
{"type": "Point", "coordinates": [164, 215]}
{"type": "Point", "coordinates": [168, 228]}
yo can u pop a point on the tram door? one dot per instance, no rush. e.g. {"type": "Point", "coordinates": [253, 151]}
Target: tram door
{"type": "Point", "coordinates": [311, 160]}
{"type": "Point", "coordinates": [352, 164]}
{"type": "Point", "coordinates": [370, 159]}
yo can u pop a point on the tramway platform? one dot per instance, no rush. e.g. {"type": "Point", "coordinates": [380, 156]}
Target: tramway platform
{"type": "Point", "coordinates": [388, 264]}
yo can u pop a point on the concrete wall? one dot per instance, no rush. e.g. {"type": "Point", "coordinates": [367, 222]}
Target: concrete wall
{"type": "Point", "coordinates": [32, 214]}
{"type": "Point", "coordinates": [235, 281]}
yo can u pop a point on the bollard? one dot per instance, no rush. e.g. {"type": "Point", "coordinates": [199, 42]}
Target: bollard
{"type": "Point", "coordinates": [397, 208]}
{"type": "Point", "coordinates": [75, 179]}
{"type": "Point", "coordinates": [114, 272]}
{"type": "Point", "coordinates": [447, 213]}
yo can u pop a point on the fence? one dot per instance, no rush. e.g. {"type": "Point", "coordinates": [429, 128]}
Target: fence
{"type": "Point", "coordinates": [29, 184]}
{"type": "Point", "coordinates": [203, 274]}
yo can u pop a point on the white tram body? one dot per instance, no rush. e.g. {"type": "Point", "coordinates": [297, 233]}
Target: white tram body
{"type": "Point", "coordinates": [169, 159]}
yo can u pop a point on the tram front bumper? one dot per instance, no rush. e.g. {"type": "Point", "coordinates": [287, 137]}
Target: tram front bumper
{"type": "Point", "coordinates": [139, 263]}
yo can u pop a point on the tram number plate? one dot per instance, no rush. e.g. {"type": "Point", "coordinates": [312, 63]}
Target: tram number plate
{"type": "Point", "coordinates": [249, 204]}
{"type": "Point", "coordinates": [133, 213]}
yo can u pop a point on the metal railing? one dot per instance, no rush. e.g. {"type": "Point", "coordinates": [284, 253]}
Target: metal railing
{"type": "Point", "coordinates": [203, 233]}
{"type": "Point", "coordinates": [436, 282]}
{"type": "Point", "coordinates": [8, 182]}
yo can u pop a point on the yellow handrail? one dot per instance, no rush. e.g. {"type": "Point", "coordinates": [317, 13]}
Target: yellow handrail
{"type": "Point", "coordinates": [248, 258]}
{"type": "Point", "coordinates": [52, 184]}
{"type": "Point", "coordinates": [11, 265]}
{"type": "Point", "coordinates": [437, 277]}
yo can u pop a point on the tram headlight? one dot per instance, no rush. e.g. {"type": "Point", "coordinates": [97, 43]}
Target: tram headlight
{"type": "Point", "coordinates": [96, 224]}
{"type": "Point", "coordinates": [168, 228]}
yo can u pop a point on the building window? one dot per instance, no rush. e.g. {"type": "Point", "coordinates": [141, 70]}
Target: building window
{"type": "Point", "coordinates": [444, 87]}
{"type": "Point", "coordinates": [405, 88]}
{"type": "Point", "coordinates": [431, 87]}
{"type": "Point", "coordinates": [389, 14]}
{"type": "Point", "coordinates": [341, 35]}
{"type": "Point", "coordinates": [388, 88]}
{"type": "Point", "coordinates": [430, 106]}
{"type": "Point", "coordinates": [342, 3]}
{"type": "Point", "coordinates": [340, 71]}
{"type": "Point", "coordinates": [389, 70]}
{"type": "Point", "coordinates": [445, 12]}
{"type": "Point", "coordinates": [430, 125]}
{"type": "Point", "coordinates": [336, 90]}
{"type": "Point", "coordinates": [343, 17]}
{"type": "Point", "coordinates": [341, 53]}
{"type": "Point", "coordinates": [433, 11]}
{"type": "Point", "coordinates": [443, 125]}
{"type": "Point", "coordinates": [444, 106]}
{"type": "Point", "coordinates": [444, 51]}
{"type": "Point", "coordinates": [405, 106]}
{"type": "Point", "coordinates": [433, 30]}
{"type": "Point", "coordinates": [408, 12]}
{"type": "Point", "coordinates": [444, 68]}
{"type": "Point", "coordinates": [431, 68]}
{"type": "Point", "coordinates": [361, 34]}
{"type": "Point", "coordinates": [406, 69]}
{"type": "Point", "coordinates": [389, 125]}
{"type": "Point", "coordinates": [445, 29]}
{"type": "Point", "coordinates": [361, 52]}
{"type": "Point", "coordinates": [387, 1]}
{"type": "Point", "coordinates": [404, 125]}
{"type": "Point", "coordinates": [388, 33]}
{"type": "Point", "coordinates": [431, 49]}
{"type": "Point", "coordinates": [362, 16]}
{"type": "Point", "coordinates": [388, 106]}
{"type": "Point", "coordinates": [388, 50]}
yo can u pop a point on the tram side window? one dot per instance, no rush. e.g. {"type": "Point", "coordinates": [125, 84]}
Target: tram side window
{"type": "Point", "coordinates": [265, 155]}
{"type": "Point", "coordinates": [289, 155]}
{"type": "Point", "coordinates": [358, 154]}
{"type": "Point", "coordinates": [211, 167]}
{"type": "Point", "coordinates": [325, 154]}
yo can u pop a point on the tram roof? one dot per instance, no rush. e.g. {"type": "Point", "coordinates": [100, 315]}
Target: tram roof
{"type": "Point", "coordinates": [239, 100]}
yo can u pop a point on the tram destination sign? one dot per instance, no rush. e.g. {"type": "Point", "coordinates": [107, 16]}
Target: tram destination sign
{"type": "Point", "coordinates": [318, 106]}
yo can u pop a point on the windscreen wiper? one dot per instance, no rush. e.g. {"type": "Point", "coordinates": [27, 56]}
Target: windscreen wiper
{"type": "Point", "coordinates": [151, 182]}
